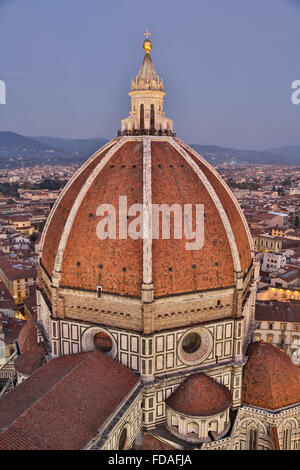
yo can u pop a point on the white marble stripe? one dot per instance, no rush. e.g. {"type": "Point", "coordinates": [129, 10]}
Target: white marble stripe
{"type": "Point", "coordinates": [220, 208]}
{"type": "Point", "coordinates": [74, 177]}
{"type": "Point", "coordinates": [147, 212]}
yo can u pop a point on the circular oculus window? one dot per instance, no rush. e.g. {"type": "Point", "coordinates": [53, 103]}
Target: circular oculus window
{"type": "Point", "coordinates": [195, 345]}
{"type": "Point", "coordinates": [96, 338]}
{"type": "Point", "coordinates": [102, 342]}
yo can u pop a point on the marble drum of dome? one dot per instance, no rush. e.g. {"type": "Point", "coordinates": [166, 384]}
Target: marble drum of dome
{"type": "Point", "coordinates": [195, 345]}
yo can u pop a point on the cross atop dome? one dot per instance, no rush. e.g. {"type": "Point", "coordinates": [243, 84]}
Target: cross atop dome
{"type": "Point", "coordinates": [147, 44]}
{"type": "Point", "coordinates": [147, 34]}
{"type": "Point", "coordinates": [147, 100]}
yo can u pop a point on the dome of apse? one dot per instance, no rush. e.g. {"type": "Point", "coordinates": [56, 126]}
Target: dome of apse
{"type": "Point", "coordinates": [270, 379]}
{"type": "Point", "coordinates": [200, 395]}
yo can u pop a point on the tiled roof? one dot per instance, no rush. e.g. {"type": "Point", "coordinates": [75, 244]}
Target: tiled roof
{"type": "Point", "coordinates": [11, 328]}
{"type": "Point", "coordinates": [28, 362]}
{"type": "Point", "coordinates": [175, 269]}
{"type": "Point", "coordinates": [278, 311]}
{"type": "Point", "coordinates": [200, 395]}
{"type": "Point", "coordinates": [270, 379]}
{"type": "Point", "coordinates": [150, 442]}
{"type": "Point", "coordinates": [15, 270]}
{"type": "Point", "coordinates": [63, 404]}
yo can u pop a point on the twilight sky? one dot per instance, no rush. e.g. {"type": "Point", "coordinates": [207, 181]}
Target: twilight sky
{"type": "Point", "coordinates": [228, 67]}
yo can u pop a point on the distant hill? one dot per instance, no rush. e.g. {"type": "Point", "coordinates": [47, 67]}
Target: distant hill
{"type": "Point", "coordinates": [218, 155]}
{"type": "Point", "coordinates": [17, 150]}
{"type": "Point", "coordinates": [291, 152]}
{"type": "Point", "coordinates": [82, 148]}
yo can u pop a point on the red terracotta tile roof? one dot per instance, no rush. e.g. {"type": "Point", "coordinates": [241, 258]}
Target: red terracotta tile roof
{"type": "Point", "coordinates": [61, 212]}
{"type": "Point", "coordinates": [278, 311]}
{"type": "Point", "coordinates": [31, 360]}
{"type": "Point", "coordinates": [175, 182]}
{"type": "Point", "coordinates": [200, 395]}
{"type": "Point", "coordinates": [28, 335]}
{"type": "Point", "coordinates": [270, 379]}
{"type": "Point", "coordinates": [234, 217]}
{"type": "Point", "coordinates": [16, 270]}
{"type": "Point", "coordinates": [11, 328]}
{"type": "Point", "coordinates": [175, 269]}
{"type": "Point", "coordinates": [150, 442]}
{"type": "Point", "coordinates": [113, 255]}
{"type": "Point", "coordinates": [64, 403]}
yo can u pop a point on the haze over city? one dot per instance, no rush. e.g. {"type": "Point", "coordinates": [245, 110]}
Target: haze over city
{"type": "Point", "coordinates": [228, 67]}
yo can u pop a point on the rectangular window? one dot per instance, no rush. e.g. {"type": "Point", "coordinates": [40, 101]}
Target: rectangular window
{"type": "Point", "coordinates": [54, 329]}
{"type": "Point", "coordinates": [150, 403]}
{"type": "Point", "coordinates": [270, 326]}
{"type": "Point", "coordinates": [99, 291]}
{"type": "Point", "coordinates": [150, 347]}
{"type": "Point", "coordinates": [143, 347]}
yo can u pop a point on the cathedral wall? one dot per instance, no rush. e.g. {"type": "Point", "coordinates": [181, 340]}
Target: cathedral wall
{"type": "Point", "coordinates": [151, 355]}
{"type": "Point", "coordinates": [131, 420]}
{"type": "Point", "coordinates": [178, 311]}
{"type": "Point", "coordinates": [260, 421]}
{"type": "Point", "coordinates": [154, 395]}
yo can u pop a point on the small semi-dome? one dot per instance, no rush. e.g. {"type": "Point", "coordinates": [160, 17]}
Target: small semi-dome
{"type": "Point", "coordinates": [200, 395]}
{"type": "Point", "coordinates": [270, 379]}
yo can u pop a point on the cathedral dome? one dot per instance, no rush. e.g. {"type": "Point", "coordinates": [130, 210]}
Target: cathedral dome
{"type": "Point", "coordinates": [200, 395]}
{"type": "Point", "coordinates": [174, 174]}
{"type": "Point", "coordinates": [270, 379]}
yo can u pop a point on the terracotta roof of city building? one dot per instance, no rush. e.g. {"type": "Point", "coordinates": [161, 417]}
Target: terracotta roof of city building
{"type": "Point", "coordinates": [16, 270]}
{"type": "Point", "coordinates": [278, 311]}
{"type": "Point", "coordinates": [270, 379]}
{"type": "Point", "coordinates": [63, 404]}
{"type": "Point", "coordinates": [200, 395]}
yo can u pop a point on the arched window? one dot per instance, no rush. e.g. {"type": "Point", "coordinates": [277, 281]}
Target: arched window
{"type": "Point", "coordinates": [193, 428]}
{"type": "Point", "coordinates": [123, 439]}
{"type": "Point", "coordinates": [287, 439]}
{"type": "Point", "coordinates": [213, 426]}
{"type": "Point", "coordinates": [252, 439]}
{"type": "Point", "coordinates": [142, 120]}
{"type": "Point", "coordinates": [2, 349]}
{"type": "Point", "coordinates": [174, 421]}
{"type": "Point", "coordinates": [152, 117]}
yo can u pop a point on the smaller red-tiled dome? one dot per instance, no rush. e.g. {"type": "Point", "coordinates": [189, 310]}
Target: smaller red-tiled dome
{"type": "Point", "coordinates": [200, 395]}
{"type": "Point", "coordinates": [270, 379]}
{"type": "Point", "coordinates": [31, 360]}
{"type": "Point", "coordinates": [28, 335]}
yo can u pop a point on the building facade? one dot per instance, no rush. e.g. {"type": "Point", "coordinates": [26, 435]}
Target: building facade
{"type": "Point", "coordinates": [157, 333]}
